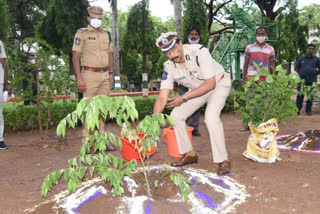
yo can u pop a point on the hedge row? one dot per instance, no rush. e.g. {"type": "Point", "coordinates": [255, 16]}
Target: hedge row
{"type": "Point", "coordinates": [26, 117]}
{"type": "Point", "coordinates": [21, 117]}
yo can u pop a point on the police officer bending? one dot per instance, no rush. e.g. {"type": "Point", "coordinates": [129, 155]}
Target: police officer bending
{"type": "Point", "coordinates": [93, 46]}
{"type": "Point", "coordinates": [193, 67]}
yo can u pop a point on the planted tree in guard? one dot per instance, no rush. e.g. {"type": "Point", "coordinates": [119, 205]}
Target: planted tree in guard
{"type": "Point", "coordinates": [111, 168]}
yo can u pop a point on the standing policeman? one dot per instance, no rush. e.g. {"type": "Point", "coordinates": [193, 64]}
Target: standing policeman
{"type": "Point", "coordinates": [193, 67]}
{"type": "Point", "coordinates": [93, 46]}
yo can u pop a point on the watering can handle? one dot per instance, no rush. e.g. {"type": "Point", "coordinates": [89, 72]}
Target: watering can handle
{"type": "Point", "coordinates": [164, 137]}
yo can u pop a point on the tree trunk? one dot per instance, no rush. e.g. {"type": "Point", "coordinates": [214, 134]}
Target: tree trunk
{"type": "Point", "coordinates": [71, 70]}
{"type": "Point", "coordinates": [289, 69]}
{"type": "Point", "coordinates": [177, 15]}
{"type": "Point", "coordinates": [39, 104]}
{"type": "Point", "coordinates": [116, 46]}
{"type": "Point", "coordinates": [144, 55]}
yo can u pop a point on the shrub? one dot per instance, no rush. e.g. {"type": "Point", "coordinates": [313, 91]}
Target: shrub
{"type": "Point", "coordinates": [271, 98]}
{"type": "Point", "coordinates": [18, 117]}
{"type": "Point", "coordinates": [26, 117]}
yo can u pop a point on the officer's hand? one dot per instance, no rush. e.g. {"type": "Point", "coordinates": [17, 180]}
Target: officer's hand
{"type": "Point", "coordinates": [176, 101]}
{"type": "Point", "coordinates": [81, 85]}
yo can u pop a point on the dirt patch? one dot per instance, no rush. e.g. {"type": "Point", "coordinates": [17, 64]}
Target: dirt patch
{"type": "Point", "coordinates": [308, 140]}
{"type": "Point", "coordinates": [288, 186]}
{"type": "Point", "coordinates": [210, 193]}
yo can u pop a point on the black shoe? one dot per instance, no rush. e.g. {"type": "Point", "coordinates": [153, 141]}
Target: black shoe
{"type": "Point", "coordinates": [298, 113]}
{"type": "Point", "coordinates": [3, 145]}
{"type": "Point", "coordinates": [309, 113]}
{"type": "Point", "coordinates": [196, 133]}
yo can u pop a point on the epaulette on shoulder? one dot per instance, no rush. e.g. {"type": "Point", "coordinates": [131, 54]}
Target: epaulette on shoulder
{"type": "Point", "coordinates": [202, 47]}
{"type": "Point", "coordinates": [82, 29]}
{"type": "Point", "coordinates": [169, 63]}
{"type": "Point", "coordinates": [105, 30]}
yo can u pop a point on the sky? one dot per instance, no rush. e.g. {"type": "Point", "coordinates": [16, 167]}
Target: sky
{"type": "Point", "coordinates": [159, 8]}
{"type": "Point", "coordinates": [163, 8]}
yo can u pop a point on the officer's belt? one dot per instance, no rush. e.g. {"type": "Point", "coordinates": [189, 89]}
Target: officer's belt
{"type": "Point", "coordinates": [95, 69]}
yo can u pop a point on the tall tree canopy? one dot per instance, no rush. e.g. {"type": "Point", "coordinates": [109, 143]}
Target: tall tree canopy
{"type": "Point", "coordinates": [310, 15]}
{"type": "Point", "coordinates": [134, 37]}
{"type": "Point", "coordinates": [4, 21]}
{"type": "Point", "coordinates": [24, 17]}
{"type": "Point", "coordinates": [61, 22]}
{"type": "Point", "coordinates": [293, 34]}
{"type": "Point", "coordinates": [267, 7]}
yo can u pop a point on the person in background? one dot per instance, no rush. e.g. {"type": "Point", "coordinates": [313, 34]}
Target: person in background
{"type": "Point", "coordinates": [308, 67]}
{"type": "Point", "coordinates": [4, 84]}
{"type": "Point", "coordinates": [193, 67]}
{"type": "Point", "coordinates": [263, 55]}
{"type": "Point", "coordinates": [93, 46]}
{"type": "Point", "coordinates": [30, 71]}
{"type": "Point", "coordinates": [193, 38]}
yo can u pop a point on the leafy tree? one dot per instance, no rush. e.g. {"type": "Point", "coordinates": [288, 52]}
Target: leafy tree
{"type": "Point", "coordinates": [216, 11]}
{"type": "Point", "coordinates": [61, 22]}
{"type": "Point", "coordinates": [107, 166]}
{"type": "Point", "coordinates": [4, 21]}
{"type": "Point", "coordinates": [24, 17]}
{"type": "Point", "coordinates": [267, 7]}
{"type": "Point", "coordinates": [194, 14]}
{"type": "Point", "coordinates": [310, 15]}
{"type": "Point", "coordinates": [293, 34]}
{"type": "Point", "coordinates": [139, 39]}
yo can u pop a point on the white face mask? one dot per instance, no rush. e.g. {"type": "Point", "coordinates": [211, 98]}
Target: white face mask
{"type": "Point", "coordinates": [192, 42]}
{"type": "Point", "coordinates": [96, 23]}
{"type": "Point", "coordinates": [261, 39]}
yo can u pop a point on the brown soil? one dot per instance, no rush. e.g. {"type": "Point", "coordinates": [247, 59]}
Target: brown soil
{"type": "Point", "coordinates": [288, 186]}
{"type": "Point", "coordinates": [310, 140]}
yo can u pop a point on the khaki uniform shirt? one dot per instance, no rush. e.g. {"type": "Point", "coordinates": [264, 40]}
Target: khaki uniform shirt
{"type": "Point", "coordinates": [195, 71]}
{"type": "Point", "coordinates": [93, 45]}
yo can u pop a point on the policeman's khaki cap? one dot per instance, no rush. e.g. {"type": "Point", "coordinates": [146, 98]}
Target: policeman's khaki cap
{"type": "Point", "coordinates": [95, 11]}
{"type": "Point", "coordinates": [166, 41]}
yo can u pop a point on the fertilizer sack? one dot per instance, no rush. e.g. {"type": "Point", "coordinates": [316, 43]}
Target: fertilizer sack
{"type": "Point", "coordinates": [262, 144]}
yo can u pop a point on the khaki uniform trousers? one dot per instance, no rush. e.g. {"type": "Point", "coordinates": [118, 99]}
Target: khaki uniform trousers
{"type": "Point", "coordinates": [97, 83]}
{"type": "Point", "coordinates": [215, 100]}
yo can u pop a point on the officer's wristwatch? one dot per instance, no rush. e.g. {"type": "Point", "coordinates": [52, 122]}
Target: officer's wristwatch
{"type": "Point", "coordinates": [185, 99]}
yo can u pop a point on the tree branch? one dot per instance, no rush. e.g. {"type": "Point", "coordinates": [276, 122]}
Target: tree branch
{"type": "Point", "coordinates": [220, 6]}
{"type": "Point", "coordinates": [224, 24]}
{"type": "Point", "coordinates": [220, 31]}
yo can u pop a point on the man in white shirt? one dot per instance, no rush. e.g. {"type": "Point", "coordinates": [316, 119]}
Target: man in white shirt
{"type": "Point", "coordinates": [193, 67]}
{"type": "Point", "coordinates": [4, 84]}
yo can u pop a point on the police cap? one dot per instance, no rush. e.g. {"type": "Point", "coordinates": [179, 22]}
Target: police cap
{"type": "Point", "coordinates": [95, 11]}
{"type": "Point", "coordinates": [166, 41]}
